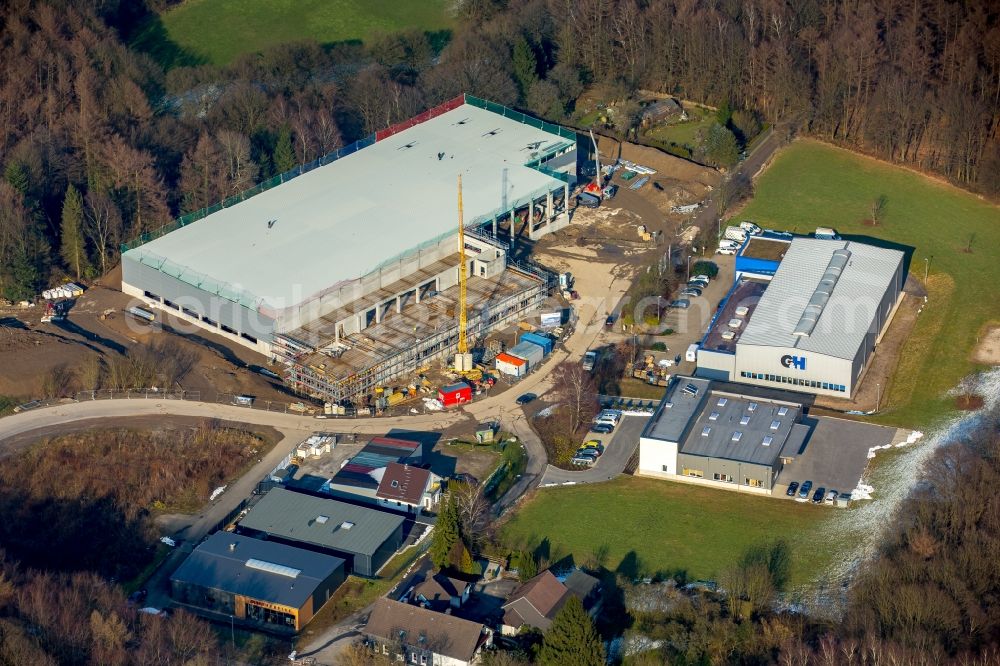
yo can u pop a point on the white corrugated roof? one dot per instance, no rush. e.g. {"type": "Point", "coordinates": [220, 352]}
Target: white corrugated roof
{"type": "Point", "coordinates": [340, 221]}
{"type": "Point", "coordinates": [844, 318]}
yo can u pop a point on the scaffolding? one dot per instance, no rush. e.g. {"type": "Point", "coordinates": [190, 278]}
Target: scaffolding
{"type": "Point", "coordinates": [375, 357]}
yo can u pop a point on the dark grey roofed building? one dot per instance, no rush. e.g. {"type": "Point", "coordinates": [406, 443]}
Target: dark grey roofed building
{"type": "Point", "coordinates": [703, 432]}
{"type": "Point", "coordinates": [257, 582]}
{"type": "Point", "coordinates": [365, 537]}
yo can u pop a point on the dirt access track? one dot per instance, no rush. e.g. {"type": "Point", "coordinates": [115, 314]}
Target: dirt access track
{"type": "Point", "coordinates": [987, 351]}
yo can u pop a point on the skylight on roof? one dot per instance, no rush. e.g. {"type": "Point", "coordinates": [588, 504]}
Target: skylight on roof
{"type": "Point", "coordinates": [271, 567]}
{"type": "Point", "coordinates": [346, 525]}
{"type": "Point", "coordinates": [722, 402]}
{"type": "Point", "coordinates": [767, 440]}
{"type": "Point", "coordinates": [322, 519]}
{"type": "Point", "coordinates": [775, 425]}
{"type": "Point", "coordinates": [737, 436]}
{"type": "Point", "coordinates": [706, 430]}
{"type": "Point", "coordinates": [714, 416]}
{"type": "Point", "coordinates": [782, 411]}
{"type": "Point", "coordinates": [744, 420]}
{"type": "Point", "coordinates": [752, 407]}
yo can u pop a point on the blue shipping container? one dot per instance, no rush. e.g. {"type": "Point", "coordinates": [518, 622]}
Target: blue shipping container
{"type": "Point", "coordinates": [543, 341]}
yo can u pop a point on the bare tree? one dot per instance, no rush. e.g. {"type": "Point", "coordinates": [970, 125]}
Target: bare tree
{"type": "Point", "coordinates": [473, 512]}
{"type": "Point", "coordinates": [103, 226]}
{"type": "Point", "coordinates": [575, 387]}
{"type": "Point", "coordinates": [878, 207]}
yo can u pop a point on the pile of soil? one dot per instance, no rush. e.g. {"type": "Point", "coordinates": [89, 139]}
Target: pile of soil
{"type": "Point", "coordinates": [969, 402]}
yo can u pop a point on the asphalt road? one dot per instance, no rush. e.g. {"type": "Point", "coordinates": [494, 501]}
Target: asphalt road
{"type": "Point", "coordinates": [618, 450]}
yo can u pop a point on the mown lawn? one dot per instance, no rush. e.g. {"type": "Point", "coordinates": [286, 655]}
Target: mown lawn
{"type": "Point", "coordinates": [670, 527]}
{"type": "Point", "coordinates": [812, 184]}
{"type": "Point", "coordinates": [220, 30]}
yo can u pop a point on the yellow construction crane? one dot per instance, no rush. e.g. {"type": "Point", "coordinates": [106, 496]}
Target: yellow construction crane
{"type": "Point", "coordinates": [463, 360]}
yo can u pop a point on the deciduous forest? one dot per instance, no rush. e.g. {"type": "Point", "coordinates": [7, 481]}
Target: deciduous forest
{"type": "Point", "coordinates": [101, 141]}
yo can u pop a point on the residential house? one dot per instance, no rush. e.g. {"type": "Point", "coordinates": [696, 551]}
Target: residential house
{"type": "Point", "coordinates": [408, 488]}
{"type": "Point", "coordinates": [416, 635]}
{"type": "Point", "coordinates": [440, 592]}
{"type": "Point", "coordinates": [536, 603]}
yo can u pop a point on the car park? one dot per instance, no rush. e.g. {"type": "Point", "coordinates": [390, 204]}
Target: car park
{"type": "Point", "coordinates": [804, 491]}
{"type": "Point", "coordinates": [525, 398]}
{"type": "Point", "coordinates": [831, 497]}
{"type": "Point", "coordinates": [819, 495]}
{"type": "Point", "coordinates": [793, 488]}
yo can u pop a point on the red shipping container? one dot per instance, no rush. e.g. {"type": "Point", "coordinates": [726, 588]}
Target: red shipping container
{"type": "Point", "coordinates": [455, 394]}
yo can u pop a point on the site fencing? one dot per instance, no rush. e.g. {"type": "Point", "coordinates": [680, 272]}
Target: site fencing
{"type": "Point", "coordinates": [138, 394]}
{"type": "Point", "coordinates": [369, 140]}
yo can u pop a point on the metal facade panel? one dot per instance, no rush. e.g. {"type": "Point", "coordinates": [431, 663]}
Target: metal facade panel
{"type": "Point", "coordinates": [869, 273]}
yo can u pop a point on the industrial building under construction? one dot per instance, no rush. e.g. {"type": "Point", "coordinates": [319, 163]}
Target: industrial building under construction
{"type": "Point", "coordinates": [347, 269]}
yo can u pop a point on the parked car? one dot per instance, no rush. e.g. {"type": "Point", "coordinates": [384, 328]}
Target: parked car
{"type": "Point", "coordinates": [583, 460]}
{"type": "Point", "coordinates": [138, 597]}
{"type": "Point", "coordinates": [831, 497]}
{"type": "Point", "coordinates": [602, 428]}
{"type": "Point", "coordinates": [594, 453]}
{"type": "Point", "coordinates": [691, 291]}
{"type": "Point", "coordinates": [525, 398]}
{"type": "Point", "coordinates": [680, 304]}
{"type": "Point", "coordinates": [793, 488]}
{"type": "Point", "coordinates": [699, 284]}
{"type": "Point", "coordinates": [804, 491]}
{"type": "Point", "coordinates": [609, 321]}
{"type": "Point", "coordinates": [702, 277]}
{"type": "Point", "coordinates": [819, 495]}
{"type": "Point", "coordinates": [592, 444]}
{"type": "Point", "coordinates": [725, 250]}
{"type": "Point", "coordinates": [725, 242]}
{"type": "Point", "coordinates": [750, 227]}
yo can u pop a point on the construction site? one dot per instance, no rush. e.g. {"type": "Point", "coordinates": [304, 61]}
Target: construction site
{"type": "Point", "coordinates": [377, 260]}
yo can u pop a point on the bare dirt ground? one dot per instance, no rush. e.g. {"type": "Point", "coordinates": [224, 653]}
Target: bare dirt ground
{"type": "Point", "coordinates": [676, 182]}
{"type": "Point", "coordinates": [98, 325]}
{"type": "Point", "coordinates": [988, 349]}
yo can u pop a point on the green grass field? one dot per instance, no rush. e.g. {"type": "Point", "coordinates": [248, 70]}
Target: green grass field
{"type": "Point", "coordinates": [672, 527]}
{"type": "Point", "coordinates": [811, 184]}
{"type": "Point", "coordinates": [685, 133]}
{"type": "Point", "coordinates": [219, 30]}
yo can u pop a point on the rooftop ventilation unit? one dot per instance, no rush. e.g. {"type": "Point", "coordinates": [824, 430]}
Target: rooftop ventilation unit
{"type": "Point", "coordinates": [817, 302]}
{"type": "Point", "coordinates": [271, 567]}
{"type": "Point", "coordinates": [322, 519]}
{"type": "Point", "coordinates": [346, 525]}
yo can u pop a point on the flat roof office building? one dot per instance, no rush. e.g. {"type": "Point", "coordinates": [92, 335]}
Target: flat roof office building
{"type": "Point", "coordinates": [700, 433]}
{"type": "Point", "coordinates": [259, 583]}
{"type": "Point", "coordinates": [365, 538]}
{"type": "Point", "coordinates": [813, 326]}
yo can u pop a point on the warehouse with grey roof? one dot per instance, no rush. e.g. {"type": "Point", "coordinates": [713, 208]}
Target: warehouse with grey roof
{"type": "Point", "coordinates": [813, 326]}
{"type": "Point", "coordinates": [259, 583]}
{"type": "Point", "coordinates": [365, 538]}
{"type": "Point", "coordinates": [347, 269]}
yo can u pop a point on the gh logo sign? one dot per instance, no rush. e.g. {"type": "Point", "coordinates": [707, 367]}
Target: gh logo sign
{"type": "Point", "coordinates": [797, 362]}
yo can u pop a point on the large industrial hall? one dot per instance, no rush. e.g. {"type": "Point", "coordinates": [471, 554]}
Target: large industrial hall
{"type": "Point", "coordinates": [813, 326]}
{"type": "Point", "coordinates": [348, 270]}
